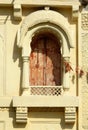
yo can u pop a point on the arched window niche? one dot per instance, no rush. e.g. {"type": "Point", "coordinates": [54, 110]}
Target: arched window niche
{"type": "Point", "coordinates": [36, 28]}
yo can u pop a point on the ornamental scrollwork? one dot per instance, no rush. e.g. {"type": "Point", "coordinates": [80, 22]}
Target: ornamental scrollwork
{"type": "Point", "coordinates": [85, 21]}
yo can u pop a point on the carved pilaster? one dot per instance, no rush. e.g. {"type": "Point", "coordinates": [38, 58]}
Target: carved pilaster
{"type": "Point", "coordinates": [65, 77]}
{"type": "Point", "coordinates": [21, 114]}
{"type": "Point", "coordinates": [70, 114]}
{"type": "Point", "coordinates": [25, 75]}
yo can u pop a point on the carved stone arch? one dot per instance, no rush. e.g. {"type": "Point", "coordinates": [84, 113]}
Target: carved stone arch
{"type": "Point", "coordinates": [43, 17]}
{"type": "Point", "coordinates": [40, 21]}
{"type": "Point", "coordinates": [55, 30]}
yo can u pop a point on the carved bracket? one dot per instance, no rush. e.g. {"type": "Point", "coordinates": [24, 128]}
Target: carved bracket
{"type": "Point", "coordinates": [70, 114]}
{"type": "Point", "coordinates": [21, 114]}
{"type": "Point", "coordinates": [17, 13]}
{"type": "Point", "coordinates": [75, 10]}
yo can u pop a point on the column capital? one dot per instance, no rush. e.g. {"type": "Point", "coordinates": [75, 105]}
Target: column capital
{"type": "Point", "coordinates": [25, 58]}
{"type": "Point", "coordinates": [66, 58]}
{"type": "Point", "coordinates": [66, 82]}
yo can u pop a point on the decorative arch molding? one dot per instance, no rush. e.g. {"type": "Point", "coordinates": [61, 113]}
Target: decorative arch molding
{"type": "Point", "coordinates": [55, 30]}
{"type": "Point", "coordinates": [42, 17]}
{"type": "Point", "coordinates": [44, 20]}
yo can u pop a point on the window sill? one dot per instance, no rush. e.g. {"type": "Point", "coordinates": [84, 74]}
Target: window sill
{"type": "Point", "coordinates": [45, 101]}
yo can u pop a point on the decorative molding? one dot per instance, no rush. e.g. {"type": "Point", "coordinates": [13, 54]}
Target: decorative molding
{"type": "Point", "coordinates": [47, 8]}
{"type": "Point", "coordinates": [9, 109]}
{"type": "Point", "coordinates": [17, 13]}
{"type": "Point", "coordinates": [45, 101]}
{"type": "Point", "coordinates": [34, 3]}
{"type": "Point", "coordinates": [25, 76]}
{"type": "Point", "coordinates": [70, 114]}
{"type": "Point", "coordinates": [84, 20]}
{"type": "Point", "coordinates": [4, 109]}
{"type": "Point", "coordinates": [66, 85]}
{"type": "Point", "coordinates": [49, 16]}
{"type": "Point", "coordinates": [84, 91]}
{"type": "Point", "coordinates": [21, 114]}
{"type": "Point", "coordinates": [75, 11]}
{"type": "Point", "coordinates": [50, 23]}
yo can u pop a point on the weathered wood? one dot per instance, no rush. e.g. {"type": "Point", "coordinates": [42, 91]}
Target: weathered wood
{"type": "Point", "coordinates": [45, 62]}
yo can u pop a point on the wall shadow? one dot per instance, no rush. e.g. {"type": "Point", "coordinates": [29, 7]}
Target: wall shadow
{"type": "Point", "coordinates": [17, 56]}
{"type": "Point", "coordinates": [12, 114]}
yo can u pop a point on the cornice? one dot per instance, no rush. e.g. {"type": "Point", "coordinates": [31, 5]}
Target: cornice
{"type": "Point", "coordinates": [19, 4]}
{"type": "Point", "coordinates": [34, 3]}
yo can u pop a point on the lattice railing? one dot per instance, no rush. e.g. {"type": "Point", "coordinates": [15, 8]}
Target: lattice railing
{"type": "Point", "coordinates": [46, 90]}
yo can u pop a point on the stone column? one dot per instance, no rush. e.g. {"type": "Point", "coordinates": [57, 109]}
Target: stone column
{"type": "Point", "coordinates": [25, 74]}
{"type": "Point", "coordinates": [65, 77]}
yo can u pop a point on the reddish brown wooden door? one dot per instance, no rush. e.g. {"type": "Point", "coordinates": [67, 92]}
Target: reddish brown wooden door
{"type": "Point", "coordinates": [45, 61]}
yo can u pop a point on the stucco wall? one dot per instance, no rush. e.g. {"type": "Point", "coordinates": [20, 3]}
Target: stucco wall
{"type": "Point", "coordinates": [85, 81]}
{"type": "Point", "coordinates": [11, 73]}
{"type": "Point", "coordinates": [11, 56]}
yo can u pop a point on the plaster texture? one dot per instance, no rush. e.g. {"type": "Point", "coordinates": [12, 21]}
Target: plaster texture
{"type": "Point", "coordinates": [21, 22]}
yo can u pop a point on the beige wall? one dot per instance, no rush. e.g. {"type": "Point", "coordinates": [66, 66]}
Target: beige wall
{"type": "Point", "coordinates": [12, 55]}
{"type": "Point", "coordinates": [11, 71]}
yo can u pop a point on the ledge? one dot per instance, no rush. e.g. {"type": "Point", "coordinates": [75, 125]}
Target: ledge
{"type": "Point", "coordinates": [37, 3]}
{"type": "Point", "coordinates": [5, 101]}
{"type": "Point", "coordinates": [45, 101]}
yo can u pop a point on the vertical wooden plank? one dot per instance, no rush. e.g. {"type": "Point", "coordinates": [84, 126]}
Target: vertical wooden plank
{"type": "Point", "coordinates": [49, 66]}
{"type": "Point", "coordinates": [41, 53]}
{"type": "Point", "coordinates": [53, 63]}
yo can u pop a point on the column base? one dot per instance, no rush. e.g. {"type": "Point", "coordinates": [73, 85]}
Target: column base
{"type": "Point", "coordinates": [25, 92]}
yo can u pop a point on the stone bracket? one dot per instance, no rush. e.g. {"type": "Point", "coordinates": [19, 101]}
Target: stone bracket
{"type": "Point", "coordinates": [68, 103]}
{"type": "Point", "coordinates": [75, 10]}
{"type": "Point", "coordinates": [21, 114]}
{"type": "Point", "coordinates": [17, 11]}
{"type": "Point", "coordinates": [70, 114]}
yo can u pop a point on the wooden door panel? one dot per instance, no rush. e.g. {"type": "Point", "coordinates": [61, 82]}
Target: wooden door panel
{"type": "Point", "coordinates": [50, 59]}
{"type": "Point", "coordinates": [53, 63]}
{"type": "Point", "coordinates": [33, 69]}
{"type": "Point", "coordinates": [45, 62]}
{"type": "Point", "coordinates": [40, 63]}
